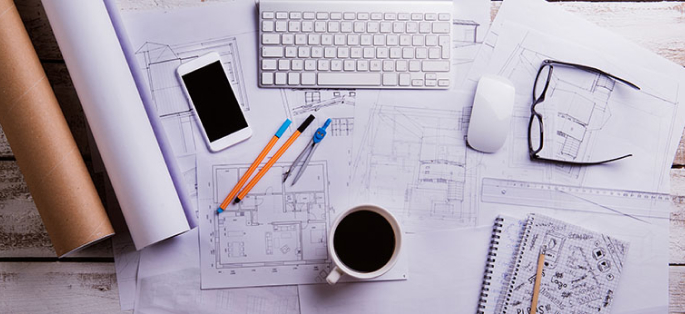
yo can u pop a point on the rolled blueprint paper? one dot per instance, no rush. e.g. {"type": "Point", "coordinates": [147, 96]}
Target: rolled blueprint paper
{"type": "Point", "coordinates": [45, 150]}
{"type": "Point", "coordinates": [152, 114]}
{"type": "Point", "coordinates": [117, 119]}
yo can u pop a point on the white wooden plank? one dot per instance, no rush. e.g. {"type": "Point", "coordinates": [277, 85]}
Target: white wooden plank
{"type": "Point", "coordinates": [58, 287]}
{"type": "Point", "coordinates": [677, 289]}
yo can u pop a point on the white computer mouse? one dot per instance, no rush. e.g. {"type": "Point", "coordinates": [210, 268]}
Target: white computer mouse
{"type": "Point", "coordinates": [491, 113]}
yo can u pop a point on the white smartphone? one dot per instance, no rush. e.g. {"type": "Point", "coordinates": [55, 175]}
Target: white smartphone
{"type": "Point", "coordinates": [217, 108]}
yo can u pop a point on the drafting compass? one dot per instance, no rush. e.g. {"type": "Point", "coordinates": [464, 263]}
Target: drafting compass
{"type": "Point", "coordinates": [307, 153]}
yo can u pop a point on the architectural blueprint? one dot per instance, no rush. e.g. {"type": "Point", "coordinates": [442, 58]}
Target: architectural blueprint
{"type": "Point", "coordinates": [411, 157]}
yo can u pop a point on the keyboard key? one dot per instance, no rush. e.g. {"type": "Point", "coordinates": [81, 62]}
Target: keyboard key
{"type": "Point", "coordinates": [340, 39]}
{"type": "Point", "coordinates": [281, 15]}
{"type": "Point", "coordinates": [366, 40]}
{"type": "Point", "coordinates": [375, 65]}
{"type": "Point", "coordinates": [309, 65]}
{"type": "Point", "coordinates": [294, 26]}
{"type": "Point", "coordinates": [271, 39]}
{"type": "Point", "coordinates": [395, 53]}
{"type": "Point", "coordinates": [376, 16]}
{"type": "Point", "coordinates": [436, 66]}
{"type": "Point", "coordinates": [362, 65]}
{"type": "Point", "coordinates": [416, 16]}
{"type": "Point", "coordinates": [336, 65]}
{"type": "Point", "coordinates": [349, 65]}
{"type": "Point", "coordinates": [317, 52]}
{"type": "Point", "coordinates": [346, 27]}
{"type": "Point", "coordinates": [333, 27]}
{"type": "Point", "coordinates": [269, 64]}
{"type": "Point", "coordinates": [441, 28]}
{"type": "Point", "coordinates": [431, 40]}
{"type": "Point", "coordinates": [288, 39]}
{"type": "Point", "coordinates": [320, 26]}
{"type": "Point", "coordinates": [444, 16]}
{"type": "Point", "coordinates": [336, 16]}
{"type": "Point", "coordinates": [272, 52]}
{"type": "Point", "coordinates": [444, 42]}
{"type": "Point", "coordinates": [372, 27]}
{"type": "Point", "coordinates": [434, 53]}
{"type": "Point", "coordinates": [392, 40]}
{"type": "Point", "coordinates": [401, 66]}
{"type": "Point", "coordinates": [414, 66]}
{"type": "Point", "coordinates": [343, 52]}
{"type": "Point", "coordinates": [386, 27]}
{"type": "Point", "coordinates": [307, 26]}
{"type": "Point", "coordinates": [431, 16]}
{"type": "Point", "coordinates": [268, 15]}
{"type": "Point", "coordinates": [308, 78]}
{"type": "Point", "coordinates": [308, 15]}
{"type": "Point", "coordinates": [303, 52]}
{"type": "Point", "coordinates": [390, 16]}
{"type": "Point", "coordinates": [321, 16]}
{"type": "Point", "coordinates": [389, 79]}
{"type": "Point", "coordinates": [284, 65]}
{"type": "Point", "coordinates": [408, 53]}
{"type": "Point", "coordinates": [424, 27]}
{"type": "Point", "coordinates": [280, 78]}
{"type": "Point", "coordinates": [405, 79]}
{"type": "Point", "coordinates": [362, 16]}
{"type": "Point", "coordinates": [379, 40]}
{"type": "Point", "coordinates": [281, 26]}
{"type": "Point", "coordinates": [349, 79]}
{"type": "Point", "coordinates": [421, 53]}
{"type": "Point", "coordinates": [416, 82]}
{"type": "Point", "coordinates": [431, 83]}
{"type": "Point", "coordinates": [267, 78]}
{"type": "Point", "coordinates": [300, 39]}
{"type": "Point", "coordinates": [349, 16]}
{"type": "Point", "coordinates": [382, 52]}
{"type": "Point", "coordinates": [295, 15]}
{"type": "Point", "coordinates": [291, 52]}
{"type": "Point", "coordinates": [323, 65]}
{"type": "Point", "coordinates": [297, 64]}
{"type": "Point", "coordinates": [403, 16]}
{"type": "Point", "coordinates": [314, 39]}
{"type": "Point", "coordinates": [330, 52]}
{"type": "Point", "coordinates": [431, 76]}
{"type": "Point", "coordinates": [327, 39]}
{"type": "Point", "coordinates": [398, 27]}
{"type": "Point", "coordinates": [353, 40]}
{"type": "Point", "coordinates": [369, 53]}
{"type": "Point", "coordinates": [443, 83]}
{"type": "Point", "coordinates": [388, 66]}
{"type": "Point", "coordinates": [293, 78]}
{"type": "Point", "coordinates": [356, 52]}
{"type": "Point", "coordinates": [412, 27]}
{"type": "Point", "coordinates": [417, 40]}
{"type": "Point", "coordinates": [405, 40]}
{"type": "Point", "coordinates": [359, 27]}
{"type": "Point", "coordinates": [267, 26]}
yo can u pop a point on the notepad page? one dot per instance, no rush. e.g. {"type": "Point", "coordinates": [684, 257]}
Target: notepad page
{"type": "Point", "coordinates": [506, 237]}
{"type": "Point", "coordinates": [581, 271]}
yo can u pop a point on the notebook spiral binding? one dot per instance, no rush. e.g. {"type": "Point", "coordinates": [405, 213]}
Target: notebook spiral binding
{"type": "Point", "coordinates": [490, 263]}
{"type": "Point", "coordinates": [524, 242]}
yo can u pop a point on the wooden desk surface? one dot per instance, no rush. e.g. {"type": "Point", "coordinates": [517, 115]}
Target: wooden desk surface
{"type": "Point", "coordinates": [33, 281]}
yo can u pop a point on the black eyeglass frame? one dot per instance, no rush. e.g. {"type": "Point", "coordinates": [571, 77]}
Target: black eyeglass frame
{"type": "Point", "coordinates": [534, 114]}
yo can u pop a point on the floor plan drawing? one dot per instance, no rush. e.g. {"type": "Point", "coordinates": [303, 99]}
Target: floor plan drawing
{"type": "Point", "coordinates": [414, 161]}
{"type": "Point", "coordinates": [276, 227]}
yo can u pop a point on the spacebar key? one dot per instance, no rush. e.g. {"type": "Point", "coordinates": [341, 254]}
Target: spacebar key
{"type": "Point", "coordinates": [350, 79]}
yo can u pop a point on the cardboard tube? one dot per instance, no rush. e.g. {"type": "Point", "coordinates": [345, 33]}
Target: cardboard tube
{"type": "Point", "coordinates": [43, 145]}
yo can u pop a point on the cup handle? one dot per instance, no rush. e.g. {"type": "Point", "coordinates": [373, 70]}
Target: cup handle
{"type": "Point", "coordinates": [334, 276]}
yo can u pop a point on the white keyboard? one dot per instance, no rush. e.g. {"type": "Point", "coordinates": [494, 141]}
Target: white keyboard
{"type": "Point", "coordinates": [355, 44]}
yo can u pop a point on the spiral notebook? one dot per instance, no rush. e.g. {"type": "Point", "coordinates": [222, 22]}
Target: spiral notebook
{"type": "Point", "coordinates": [581, 271]}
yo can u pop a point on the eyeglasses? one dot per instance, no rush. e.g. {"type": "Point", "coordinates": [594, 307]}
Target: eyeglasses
{"type": "Point", "coordinates": [535, 126]}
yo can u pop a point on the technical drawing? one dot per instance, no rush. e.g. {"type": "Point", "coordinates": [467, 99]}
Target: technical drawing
{"type": "Point", "coordinates": [159, 62]}
{"type": "Point", "coordinates": [635, 204]}
{"type": "Point", "coordinates": [342, 126]}
{"type": "Point", "coordinates": [414, 161]}
{"type": "Point", "coordinates": [276, 225]}
{"type": "Point", "coordinates": [307, 101]}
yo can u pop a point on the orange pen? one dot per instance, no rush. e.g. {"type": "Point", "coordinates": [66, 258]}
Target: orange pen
{"type": "Point", "coordinates": [254, 165]}
{"type": "Point", "coordinates": [273, 159]}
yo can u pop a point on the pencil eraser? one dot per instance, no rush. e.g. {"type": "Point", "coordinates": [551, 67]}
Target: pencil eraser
{"type": "Point", "coordinates": [284, 127]}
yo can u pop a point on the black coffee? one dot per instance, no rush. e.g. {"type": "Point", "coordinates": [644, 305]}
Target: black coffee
{"type": "Point", "coordinates": [364, 241]}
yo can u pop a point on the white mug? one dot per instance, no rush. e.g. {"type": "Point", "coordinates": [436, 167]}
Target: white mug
{"type": "Point", "coordinates": [340, 268]}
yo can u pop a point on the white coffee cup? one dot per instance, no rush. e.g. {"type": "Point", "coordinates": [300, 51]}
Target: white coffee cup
{"type": "Point", "coordinates": [340, 267]}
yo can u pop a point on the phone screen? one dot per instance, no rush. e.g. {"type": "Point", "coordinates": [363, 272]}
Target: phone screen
{"type": "Point", "coordinates": [214, 100]}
